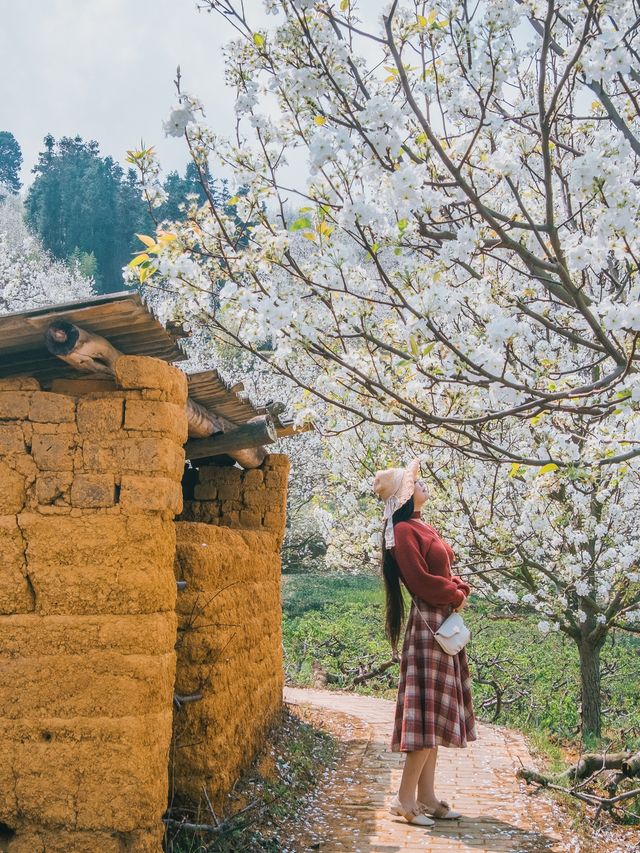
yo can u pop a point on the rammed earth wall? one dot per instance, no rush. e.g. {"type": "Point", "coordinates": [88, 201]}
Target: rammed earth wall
{"type": "Point", "coordinates": [229, 626]}
{"type": "Point", "coordinates": [89, 485]}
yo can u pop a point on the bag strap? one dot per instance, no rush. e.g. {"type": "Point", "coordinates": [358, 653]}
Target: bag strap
{"type": "Point", "coordinates": [423, 616]}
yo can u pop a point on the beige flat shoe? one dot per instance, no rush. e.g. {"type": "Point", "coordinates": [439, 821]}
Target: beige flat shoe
{"type": "Point", "coordinates": [442, 811]}
{"type": "Point", "coordinates": [415, 818]}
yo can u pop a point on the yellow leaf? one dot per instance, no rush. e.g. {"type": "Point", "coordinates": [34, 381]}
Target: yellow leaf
{"type": "Point", "coordinates": [422, 21]}
{"type": "Point", "coordinates": [536, 420]}
{"type": "Point", "coordinates": [344, 5]}
{"type": "Point", "coordinates": [514, 469]}
{"type": "Point", "coordinates": [167, 236]}
{"type": "Point", "coordinates": [258, 40]}
{"type": "Point", "coordinates": [546, 469]}
{"type": "Point", "coordinates": [146, 273]}
{"type": "Point", "coordinates": [319, 120]}
{"type": "Point", "coordinates": [234, 199]}
{"type": "Point", "coordinates": [140, 259]}
{"type": "Point", "coordinates": [309, 235]}
{"type": "Point", "coordinates": [433, 14]}
{"type": "Point", "coordinates": [148, 241]}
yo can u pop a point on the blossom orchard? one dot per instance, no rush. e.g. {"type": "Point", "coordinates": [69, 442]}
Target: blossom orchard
{"type": "Point", "coordinates": [29, 276]}
{"type": "Point", "coordinates": [470, 276]}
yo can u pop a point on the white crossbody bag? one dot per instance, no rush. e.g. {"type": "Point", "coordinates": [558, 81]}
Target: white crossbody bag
{"type": "Point", "coordinates": [452, 635]}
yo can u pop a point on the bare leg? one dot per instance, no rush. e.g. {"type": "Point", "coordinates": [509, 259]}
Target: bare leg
{"type": "Point", "coordinates": [426, 780]}
{"type": "Point", "coordinates": [414, 762]}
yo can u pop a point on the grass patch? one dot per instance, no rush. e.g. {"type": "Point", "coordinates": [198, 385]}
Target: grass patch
{"type": "Point", "coordinates": [265, 804]}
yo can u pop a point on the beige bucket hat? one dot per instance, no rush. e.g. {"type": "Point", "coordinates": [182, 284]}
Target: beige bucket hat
{"type": "Point", "coordinates": [395, 486]}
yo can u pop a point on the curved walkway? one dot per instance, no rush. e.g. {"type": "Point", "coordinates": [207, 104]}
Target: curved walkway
{"type": "Point", "coordinates": [479, 781]}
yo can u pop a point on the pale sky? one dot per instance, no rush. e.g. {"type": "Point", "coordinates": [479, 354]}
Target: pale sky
{"type": "Point", "coordinates": [104, 69]}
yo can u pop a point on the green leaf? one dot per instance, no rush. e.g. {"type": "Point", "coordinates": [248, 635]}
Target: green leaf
{"type": "Point", "coordinates": [301, 223]}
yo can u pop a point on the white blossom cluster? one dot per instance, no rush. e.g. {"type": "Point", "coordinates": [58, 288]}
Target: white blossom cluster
{"type": "Point", "coordinates": [29, 276]}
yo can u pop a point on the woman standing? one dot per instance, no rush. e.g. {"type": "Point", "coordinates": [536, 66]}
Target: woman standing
{"type": "Point", "coordinates": [434, 706]}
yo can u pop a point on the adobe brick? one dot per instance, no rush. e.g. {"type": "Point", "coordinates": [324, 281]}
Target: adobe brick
{"type": "Point", "coordinates": [53, 452]}
{"type": "Point", "coordinates": [19, 383]}
{"type": "Point", "coordinates": [100, 416]}
{"type": "Point", "coordinates": [93, 490]}
{"type": "Point", "coordinates": [50, 408]}
{"type": "Point", "coordinates": [11, 439]}
{"type": "Point", "coordinates": [12, 490]}
{"type": "Point", "coordinates": [14, 405]}
{"type": "Point", "coordinates": [156, 416]}
{"type": "Point", "coordinates": [140, 372]}
{"type": "Point", "coordinates": [150, 494]}
{"type": "Point", "coordinates": [53, 487]}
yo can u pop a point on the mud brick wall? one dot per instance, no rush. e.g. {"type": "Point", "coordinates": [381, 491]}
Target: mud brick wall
{"type": "Point", "coordinates": [229, 628]}
{"type": "Point", "coordinates": [89, 486]}
{"type": "Point", "coordinates": [253, 499]}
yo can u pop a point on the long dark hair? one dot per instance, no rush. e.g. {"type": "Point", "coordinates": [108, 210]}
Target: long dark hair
{"type": "Point", "coordinates": [393, 591]}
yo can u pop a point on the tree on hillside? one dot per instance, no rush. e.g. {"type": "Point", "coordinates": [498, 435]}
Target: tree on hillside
{"type": "Point", "coordinates": [83, 203]}
{"type": "Point", "coordinates": [178, 189]}
{"type": "Point", "coordinates": [10, 163]}
{"type": "Point", "coordinates": [474, 275]}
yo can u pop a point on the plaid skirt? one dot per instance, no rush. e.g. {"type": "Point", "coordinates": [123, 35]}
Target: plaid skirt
{"type": "Point", "coordinates": [433, 706]}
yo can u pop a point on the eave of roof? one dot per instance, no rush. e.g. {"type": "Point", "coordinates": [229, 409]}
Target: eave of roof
{"type": "Point", "coordinates": [123, 318]}
{"type": "Point", "coordinates": [130, 325]}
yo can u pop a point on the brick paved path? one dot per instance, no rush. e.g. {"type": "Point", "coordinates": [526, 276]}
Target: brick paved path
{"type": "Point", "coordinates": [498, 813]}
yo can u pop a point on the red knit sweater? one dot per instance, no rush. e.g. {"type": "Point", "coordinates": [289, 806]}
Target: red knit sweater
{"type": "Point", "coordinates": [424, 560]}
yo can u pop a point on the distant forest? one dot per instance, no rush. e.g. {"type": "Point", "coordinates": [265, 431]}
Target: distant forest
{"type": "Point", "coordinates": [87, 209]}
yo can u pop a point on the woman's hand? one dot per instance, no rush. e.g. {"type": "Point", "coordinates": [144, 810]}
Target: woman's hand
{"type": "Point", "coordinates": [461, 605]}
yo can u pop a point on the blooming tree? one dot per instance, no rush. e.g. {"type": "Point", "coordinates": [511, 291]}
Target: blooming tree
{"type": "Point", "coordinates": [29, 276]}
{"type": "Point", "coordinates": [471, 273]}
{"type": "Point", "coordinates": [563, 544]}
{"type": "Point", "coordinates": [470, 206]}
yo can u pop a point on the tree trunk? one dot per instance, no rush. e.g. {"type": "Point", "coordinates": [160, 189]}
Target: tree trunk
{"type": "Point", "coordinates": [590, 686]}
